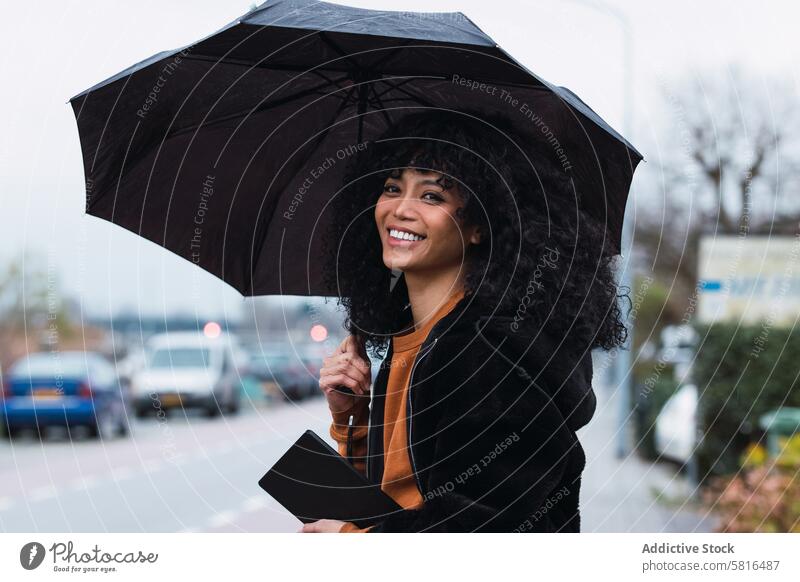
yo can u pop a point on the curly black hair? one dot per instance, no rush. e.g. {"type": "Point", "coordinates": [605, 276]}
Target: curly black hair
{"type": "Point", "coordinates": [541, 258]}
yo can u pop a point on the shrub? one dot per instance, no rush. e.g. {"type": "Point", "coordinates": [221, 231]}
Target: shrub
{"type": "Point", "coordinates": [652, 307]}
{"type": "Point", "coordinates": [741, 373]}
{"type": "Point", "coordinates": [763, 499]}
{"type": "Point", "coordinates": [764, 496]}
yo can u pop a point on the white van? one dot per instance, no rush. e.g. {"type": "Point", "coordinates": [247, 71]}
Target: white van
{"type": "Point", "coordinates": [675, 428]}
{"type": "Point", "coordinates": [189, 370]}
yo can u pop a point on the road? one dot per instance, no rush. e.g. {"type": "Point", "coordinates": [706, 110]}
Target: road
{"type": "Point", "coordinates": [181, 473]}
{"type": "Point", "coordinates": [632, 495]}
{"type": "Point", "coordinates": [189, 473]}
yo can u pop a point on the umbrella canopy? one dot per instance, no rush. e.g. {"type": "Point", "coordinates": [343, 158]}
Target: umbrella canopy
{"type": "Point", "coordinates": [227, 151]}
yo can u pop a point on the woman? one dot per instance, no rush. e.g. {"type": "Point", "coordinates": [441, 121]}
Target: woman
{"type": "Point", "coordinates": [505, 286]}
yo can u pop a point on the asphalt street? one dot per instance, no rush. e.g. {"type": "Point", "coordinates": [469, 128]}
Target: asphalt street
{"type": "Point", "coordinates": [179, 473]}
{"type": "Point", "coordinates": [189, 473]}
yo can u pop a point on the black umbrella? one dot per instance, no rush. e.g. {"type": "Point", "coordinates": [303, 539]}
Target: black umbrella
{"type": "Point", "coordinates": [227, 151]}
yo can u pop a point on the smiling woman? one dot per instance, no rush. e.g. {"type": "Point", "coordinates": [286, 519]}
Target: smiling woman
{"type": "Point", "coordinates": [506, 287]}
{"type": "Point", "coordinates": [499, 196]}
{"type": "Point", "coordinates": [418, 218]}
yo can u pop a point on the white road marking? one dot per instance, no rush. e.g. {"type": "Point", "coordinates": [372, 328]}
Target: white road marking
{"type": "Point", "coordinates": [224, 448]}
{"type": "Point", "coordinates": [222, 518]}
{"type": "Point", "coordinates": [42, 493]}
{"type": "Point", "coordinates": [151, 465]}
{"type": "Point", "coordinates": [121, 473]}
{"type": "Point", "coordinates": [255, 503]}
{"type": "Point", "coordinates": [83, 483]}
{"type": "Point", "coordinates": [178, 460]}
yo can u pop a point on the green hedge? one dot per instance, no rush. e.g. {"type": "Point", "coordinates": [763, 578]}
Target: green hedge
{"type": "Point", "coordinates": [741, 374]}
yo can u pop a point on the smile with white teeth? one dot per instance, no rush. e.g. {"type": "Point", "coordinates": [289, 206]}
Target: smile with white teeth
{"type": "Point", "coordinates": [401, 235]}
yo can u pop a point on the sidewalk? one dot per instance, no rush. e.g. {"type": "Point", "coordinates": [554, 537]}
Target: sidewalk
{"type": "Point", "coordinates": [631, 495]}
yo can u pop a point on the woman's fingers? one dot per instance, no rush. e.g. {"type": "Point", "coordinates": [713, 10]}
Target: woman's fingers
{"type": "Point", "coordinates": [347, 368]}
{"type": "Point", "coordinates": [350, 353]}
{"type": "Point", "coordinates": [322, 526]}
{"type": "Point", "coordinates": [334, 380]}
{"type": "Point", "coordinates": [348, 365]}
{"type": "Point", "coordinates": [342, 347]}
{"type": "Point", "coordinates": [358, 348]}
{"type": "Point", "coordinates": [345, 362]}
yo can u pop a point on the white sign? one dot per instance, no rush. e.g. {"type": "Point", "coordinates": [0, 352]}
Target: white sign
{"type": "Point", "coordinates": [749, 279]}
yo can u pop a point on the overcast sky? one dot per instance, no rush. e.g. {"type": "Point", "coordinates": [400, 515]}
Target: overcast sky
{"type": "Point", "coordinates": [52, 50]}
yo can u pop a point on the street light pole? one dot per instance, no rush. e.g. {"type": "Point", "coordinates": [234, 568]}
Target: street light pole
{"type": "Point", "coordinates": [622, 372]}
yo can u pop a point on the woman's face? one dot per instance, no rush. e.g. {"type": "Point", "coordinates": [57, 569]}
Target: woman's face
{"type": "Point", "coordinates": [418, 224]}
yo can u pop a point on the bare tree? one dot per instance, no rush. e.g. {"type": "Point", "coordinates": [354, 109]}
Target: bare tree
{"type": "Point", "coordinates": [730, 165]}
{"type": "Point", "coordinates": [30, 308]}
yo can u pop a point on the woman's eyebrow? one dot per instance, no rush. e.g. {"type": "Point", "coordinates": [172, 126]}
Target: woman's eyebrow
{"type": "Point", "coordinates": [424, 182]}
{"type": "Point", "coordinates": [430, 182]}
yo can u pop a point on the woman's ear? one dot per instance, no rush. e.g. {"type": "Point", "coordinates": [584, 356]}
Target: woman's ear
{"type": "Point", "coordinates": [475, 237]}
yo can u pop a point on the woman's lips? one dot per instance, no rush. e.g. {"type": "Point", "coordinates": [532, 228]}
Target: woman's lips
{"type": "Point", "coordinates": [399, 242]}
{"type": "Point", "coordinates": [396, 242]}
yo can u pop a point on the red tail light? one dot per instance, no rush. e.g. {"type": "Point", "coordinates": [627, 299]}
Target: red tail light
{"type": "Point", "coordinates": [84, 390]}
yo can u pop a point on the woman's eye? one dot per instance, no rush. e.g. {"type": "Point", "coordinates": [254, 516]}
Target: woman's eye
{"type": "Point", "coordinates": [390, 188]}
{"type": "Point", "coordinates": [433, 196]}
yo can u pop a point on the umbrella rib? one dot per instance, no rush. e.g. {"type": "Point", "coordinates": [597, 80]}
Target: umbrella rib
{"type": "Point", "coordinates": [374, 66]}
{"type": "Point", "coordinates": [358, 74]}
{"type": "Point", "coordinates": [380, 107]}
{"type": "Point", "coordinates": [410, 96]}
{"type": "Point", "coordinates": [382, 61]}
{"type": "Point", "coordinates": [330, 81]}
{"type": "Point", "coordinates": [403, 82]}
{"type": "Point", "coordinates": [324, 37]}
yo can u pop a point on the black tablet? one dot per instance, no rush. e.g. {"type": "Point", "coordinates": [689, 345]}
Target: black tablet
{"type": "Point", "coordinates": [313, 482]}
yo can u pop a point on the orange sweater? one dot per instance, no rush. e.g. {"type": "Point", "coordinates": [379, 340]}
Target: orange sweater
{"type": "Point", "coordinates": [398, 478]}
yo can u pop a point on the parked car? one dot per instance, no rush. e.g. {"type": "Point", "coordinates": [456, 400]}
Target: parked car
{"type": "Point", "coordinates": [189, 370]}
{"type": "Point", "coordinates": [281, 373]}
{"type": "Point", "coordinates": [312, 355]}
{"type": "Point", "coordinates": [678, 347]}
{"type": "Point", "coordinates": [675, 433]}
{"type": "Point", "coordinates": [69, 388]}
{"type": "Point", "coordinates": [132, 362]}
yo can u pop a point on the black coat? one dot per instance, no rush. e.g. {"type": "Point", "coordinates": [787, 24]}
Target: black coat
{"type": "Point", "coordinates": [492, 415]}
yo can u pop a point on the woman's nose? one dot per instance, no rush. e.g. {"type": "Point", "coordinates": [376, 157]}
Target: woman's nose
{"type": "Point", "coordinates": [404, 207]}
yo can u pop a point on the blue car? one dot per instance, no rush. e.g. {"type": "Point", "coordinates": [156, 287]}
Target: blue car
{"type": "Point", "coordinates": [68, 388]}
